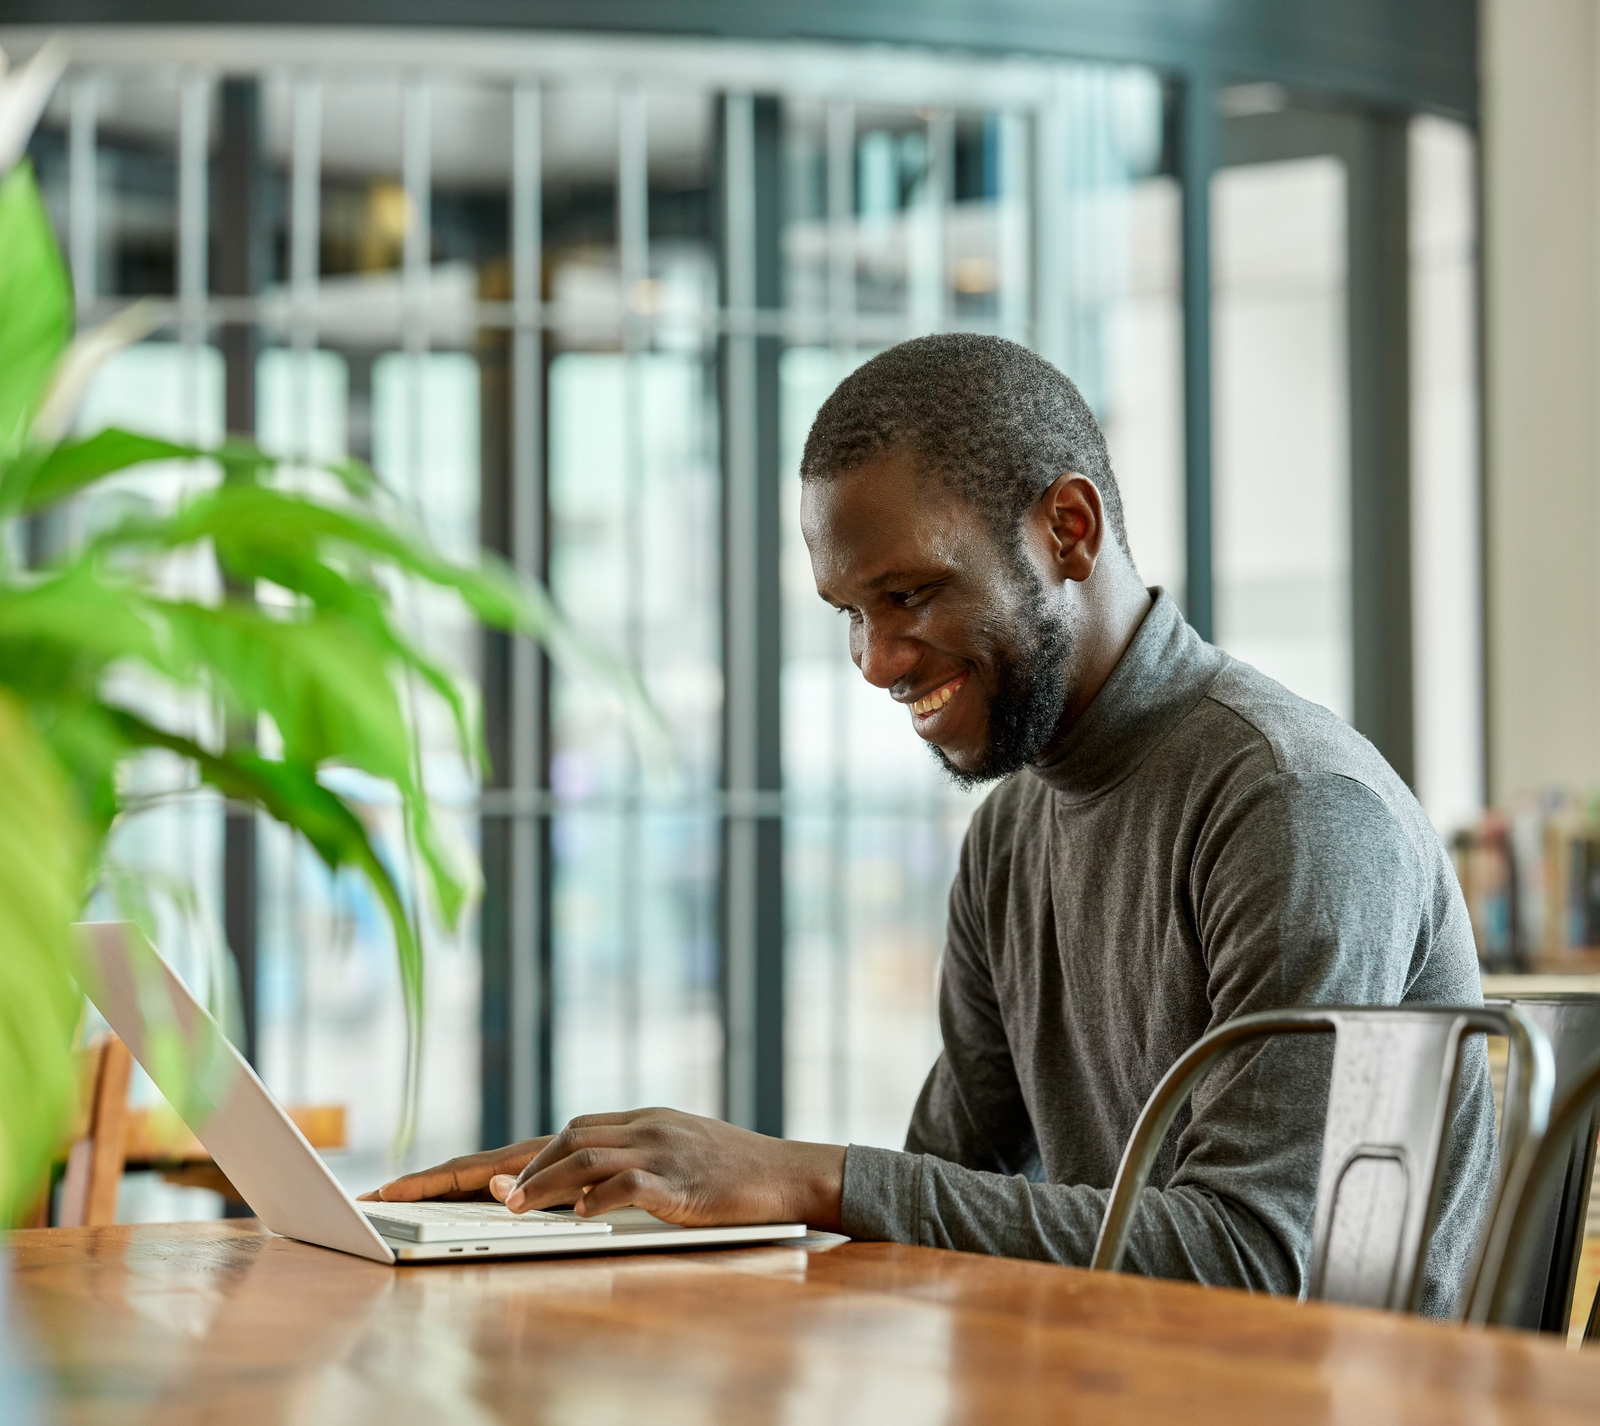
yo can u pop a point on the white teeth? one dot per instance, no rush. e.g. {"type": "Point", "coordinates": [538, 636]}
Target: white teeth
{"type": "Point", "coordinates": [937, 699]}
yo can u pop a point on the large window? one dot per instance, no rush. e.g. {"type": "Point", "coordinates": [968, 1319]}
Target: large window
{"type": "Point", "coordinates": [578, 300]}
{"type": "Point", "coordinates": [1055, 227]}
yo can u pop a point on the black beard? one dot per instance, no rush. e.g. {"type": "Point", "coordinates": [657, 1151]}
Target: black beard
{"type": "Point", "coordinates": [1029, 699]}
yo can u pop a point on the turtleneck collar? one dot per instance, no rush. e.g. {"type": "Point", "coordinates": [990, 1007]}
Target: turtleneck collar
{"type": "Point", "coordinates": [1163, 673]}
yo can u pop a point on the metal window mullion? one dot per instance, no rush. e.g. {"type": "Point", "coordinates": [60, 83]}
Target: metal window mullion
{"type": "Point", "coordinates": [1050, 162]}
{"type": "Point", "coordinates": [927, 223]}
{"type": "Point", "coordinates": [82, 189]}
{"type": "Point", "coordinates": [193, 198]}
{"type": "Point", "coordinates": [305, 209]}
{"type": "Point", "coordinates": [841, 151]}
{"type": "Point", "coordinates": [633, 232]}
{"type": "Point", "coordinates": [740, 627]}
{"type": "Point", "coordinates": [305, 184]}
{"type": "Point", "coordinates": [529, 1094]}
{"type": "Point", "coordinates": [305, 194]}
{"type": "Point", "coordinates": [1198, 141]}
{"type": "Point", "coordinates": [1012, 245]}
{"type": "Point", "coordinates": [416, 164]}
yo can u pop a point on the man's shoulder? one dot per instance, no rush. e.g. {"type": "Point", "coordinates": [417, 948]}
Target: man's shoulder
{"type": "Point", "coordinates": [1310, 755]}
{"type": "Point", "coordinates": [1291, 734]}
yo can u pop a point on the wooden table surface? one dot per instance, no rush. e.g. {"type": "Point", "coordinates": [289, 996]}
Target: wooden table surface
{"type": "Point", "coordinates": [217, 1322]}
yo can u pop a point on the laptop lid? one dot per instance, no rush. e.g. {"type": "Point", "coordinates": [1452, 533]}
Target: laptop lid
{"type": "Point", "coordinates": [219, 1096]}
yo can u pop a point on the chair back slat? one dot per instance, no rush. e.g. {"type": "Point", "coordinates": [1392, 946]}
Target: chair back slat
{"type": "Point", "coordinates": [1387, 1099]}
{"type": "Point", "coordinates": [1544, 1297]}
{"type": "Point", "coordinates": [95, 1160]}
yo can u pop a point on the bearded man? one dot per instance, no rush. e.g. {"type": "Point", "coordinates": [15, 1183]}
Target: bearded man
{"type": "Point", "coordinates": [1175, 840]}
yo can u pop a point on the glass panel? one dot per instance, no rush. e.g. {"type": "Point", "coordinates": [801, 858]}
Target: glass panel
{"type": "Point", "coordinates": [634, 510]}
{"type": "Point", "coordinates": [1282, 477]}
{"type": "Point", "coordinates": [364, 208]}
{"type": "Point", "coordinates": [1446, 578]}
{"type": "Point", "coordinates": [871, 836]}
{"type": "Point", "coordinates": [1141, 409]}
{"type": "Point", "coordinates": [136, 184]}
{"type": "Point", "coordinates": [428, 417]}
{"type": "Point", "coordinates": [173, 844]}
{"type": "Point", "coordinates": [635, 925]}
{"type": "Point", "coordinates": [332, 1025]}
{"type": "Point", "coordinates": [872, 831]}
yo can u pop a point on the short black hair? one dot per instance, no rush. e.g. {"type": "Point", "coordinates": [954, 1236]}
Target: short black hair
{"type": "Point", "coordinates": [998, 422]}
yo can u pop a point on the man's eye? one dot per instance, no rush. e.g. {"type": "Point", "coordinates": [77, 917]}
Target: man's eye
{"type": "Point", "coordinates": [911, 598]}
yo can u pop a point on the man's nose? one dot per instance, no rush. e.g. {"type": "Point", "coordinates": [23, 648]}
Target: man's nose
{"type": "Point", "coordinates": [883, 656]}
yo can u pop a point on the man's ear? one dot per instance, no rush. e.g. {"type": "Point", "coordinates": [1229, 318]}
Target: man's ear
{"type": "Point", "coordinates": [1069, 525]}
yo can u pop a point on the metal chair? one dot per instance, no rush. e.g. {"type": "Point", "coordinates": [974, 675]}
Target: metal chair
{"type": "Point", "coordinates": [1514, 1256]}
{"type": "Point", "coordinates": [1394, 1078]}
{"type": "Point", "coordinates": [1542, 1298]}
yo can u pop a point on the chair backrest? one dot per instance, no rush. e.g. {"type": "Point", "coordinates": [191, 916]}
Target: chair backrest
{"type": "Point", "coordinates": [95, 1159]}
{"type": "Point", "coordinates": [1514, 1251]}
{"type": "Point", "coordinates": [1544, 1291]}
{"type": "Point", "coordinates": [1389, 1097]}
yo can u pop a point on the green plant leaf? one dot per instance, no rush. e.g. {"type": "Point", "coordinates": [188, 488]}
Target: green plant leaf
{"type": "Point", "coordinates": [35, 303]}
{"type": "Point", "coordinates": [297, 799]}
{"type": "Point", "coordinates": [43, 851]}
{"type": "Point", "coordinates": [38, 478]}
{"type": "Point", "coordinates": [59, 633]}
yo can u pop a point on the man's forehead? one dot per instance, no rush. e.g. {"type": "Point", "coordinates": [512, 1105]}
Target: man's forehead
{"type": "Point", "coordinates": [865, 538]}
{"type": "Point", "coordinates": [853, 509]}
{"type": "Point", "coordinates": [897, 482]}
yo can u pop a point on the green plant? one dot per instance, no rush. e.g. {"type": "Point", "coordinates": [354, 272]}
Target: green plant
{"type": "Point", "coordinates": [299, 640]}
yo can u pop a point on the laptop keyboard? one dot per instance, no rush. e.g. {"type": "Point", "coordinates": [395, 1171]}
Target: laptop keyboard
{"type": "Point", "coordinates": [439, 1222]}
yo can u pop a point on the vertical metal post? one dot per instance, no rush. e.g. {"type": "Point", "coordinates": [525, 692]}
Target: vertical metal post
{"type": "Point", "coordinates": [633, 235]}
{"type": "Point", "coordinates": [753, 843]}
{"type": "Point", "coordinates": [927, 268]}
{"type": "Point", "coordinates": [238, 274]}
{"type": "Point", "coordinates": [416, 165]}
{"type": "Point", "coordinates": [841, 191]}
{"type": "Point", "coordinates": [841, 156]}
{"type": "Point", "coordinates": [1050, 212]}
{"type": "Point", "coordinates": [193, 203]}
{"type": "Point", "coordinates": [1197, 160]}
{"type": "Point", "coordinates": [1012, 257]}
{"type": "Point", "coordinates": [530, 1100]}
{"type": "Point", "coordinates": [739, 634]}
{"type": "Point", "coordinates": [82, 189]}
{"type": "Point", "coordinates": [305, 221]}
{"type": "Point", "coordinates": [305, 209]}
{"type": "Point", "coordinates": [1380, 440]}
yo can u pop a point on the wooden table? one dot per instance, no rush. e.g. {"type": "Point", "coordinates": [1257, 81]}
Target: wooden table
{"type": "Point", "coordinates": [216, 1322]}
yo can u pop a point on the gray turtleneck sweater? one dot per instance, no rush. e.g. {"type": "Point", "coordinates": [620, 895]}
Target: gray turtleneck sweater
{"type": "Point", "coordinates": [1205, 844]}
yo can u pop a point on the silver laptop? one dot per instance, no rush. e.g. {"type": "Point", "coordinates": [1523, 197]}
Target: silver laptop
{"type": "Point", "coordinates": [282, 1177]}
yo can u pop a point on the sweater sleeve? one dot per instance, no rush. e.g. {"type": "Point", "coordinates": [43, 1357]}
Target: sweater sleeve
{"type": "Point", "coordinates": [971, 1109]}
{"type": "Point", "coordinates": [1304, 890]}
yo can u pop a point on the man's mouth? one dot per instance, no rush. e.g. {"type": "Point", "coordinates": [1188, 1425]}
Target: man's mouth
{"type": "Point", "coordinates": [931, 703]}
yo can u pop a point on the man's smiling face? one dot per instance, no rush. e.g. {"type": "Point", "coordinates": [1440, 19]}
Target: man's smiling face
{"type": "Point", "coordinates": [953, 624]}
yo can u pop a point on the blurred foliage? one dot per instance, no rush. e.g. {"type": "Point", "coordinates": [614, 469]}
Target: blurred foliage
{"type": "Point", "coordinates": [294, 666]}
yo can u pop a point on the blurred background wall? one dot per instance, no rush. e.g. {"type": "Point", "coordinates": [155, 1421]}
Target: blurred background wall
{"type": "Point", "coordinates": [1541, 76]}
{"type": "Point", "coordinates": [576, 277]}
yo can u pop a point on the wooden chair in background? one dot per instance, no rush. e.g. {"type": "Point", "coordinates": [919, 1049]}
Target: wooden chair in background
{"type": "Point", "coordinates": [108, 1138]}
{"type": "Point", "coordinates": [100, 1138]}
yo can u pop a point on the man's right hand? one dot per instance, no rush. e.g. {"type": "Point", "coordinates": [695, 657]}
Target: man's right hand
{"type": "Point", "coordinates": [462, 1178]}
